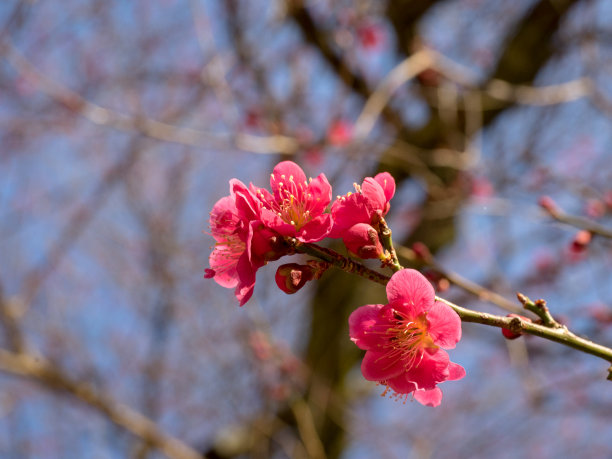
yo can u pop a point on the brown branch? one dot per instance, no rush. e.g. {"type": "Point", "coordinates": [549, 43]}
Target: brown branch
{"type": "Point", "coordinates": [577, 222]}
{"type": "Point", "coordinates": [51, 377]}
{"type": "Point", "coordinates": [148, 127]}
{"type": "Point", "coordinates": [301, 16]}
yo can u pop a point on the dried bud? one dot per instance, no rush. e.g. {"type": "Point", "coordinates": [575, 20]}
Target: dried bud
{"type": "Point", "coordinates": [292, 277]}
{"type": "Point", "coordinates": [509, 334]}
{"type": "Point", "coordinates": [362, 240]}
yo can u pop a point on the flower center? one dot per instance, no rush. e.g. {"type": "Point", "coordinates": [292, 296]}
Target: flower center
{"type": "Point", "coordinates": [294, 204]}
{"type": "Point", "coordinates": [227, 252]}
{"type": "Point", "coordinates": [408, 338]}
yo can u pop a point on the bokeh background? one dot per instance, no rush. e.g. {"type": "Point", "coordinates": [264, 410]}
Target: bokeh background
{"type": "Point", "coordinates": [120, 126]}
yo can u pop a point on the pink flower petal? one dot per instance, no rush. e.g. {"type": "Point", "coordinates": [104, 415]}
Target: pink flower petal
{"type": "Point", "coordinates": [432, 397]}
{"type": "Point", "coordinates": [401, 385]}
{"type": "Point", "coordinates": [374, 195]}
{"type": "Point", "coordinates": [223, 218]}
{"type": "Point", "coordinates": [283, 172]}
{"type": "Point", "coordinates": [455, 371]}
{"type": "Point", "coordinates": [316, 229]}
{"type": "Point", "coordinates": [387, 182]}
{"type": "Point", "coordinates": [321, 192]}
{"type": "Point", "coordinates": [363, 327]}
{"type": "Point", "coordinates": [409, 291]}
{"type": "Point", "coordinates": [274, 222]}
{"type": "Point", "coordinates": [247, 205]}
{"type": "Point", "coordinates": [378, 366]}
{"type": "Point", "coordinates": [444, 325]}
{"type": "Point", "coordinates": [432, 370]}
{"type": "Point", "coordinates": [348, 211]}
{"type": "Point", "coordinates": [244, 293]}
{"type": "Point", "coordinates": [246, 284]}
{"type": "Point", "coordinates": [224, 258]}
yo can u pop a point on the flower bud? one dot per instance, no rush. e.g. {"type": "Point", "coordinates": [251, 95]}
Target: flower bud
{"type": "Point", "coordinates": [548, 204]}
{"type": "Point", "coordinates": [362, 240]}
{"type": "Point", "coordinates": [292, 276]}
{"type": "Point", "coordinates": [581, 241]}
{"type": "Point", "coordinates": [421, 252]}
{"type": "Point", "coordinates": [509, 334]}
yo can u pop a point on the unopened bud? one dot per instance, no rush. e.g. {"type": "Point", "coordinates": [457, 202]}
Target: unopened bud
{"type": "Point", "coordinates": [509, 334]}
{"type": "Point", "coordinates": [581, 241]}
{"type": "Point", "coordinates": [362, 240]}
{"type": "Point", "coordinates": [421, 251]}
{"type": "Point", "coordinates": [548, 204]}
{"type": "Point", "coordinates": [292, 276]}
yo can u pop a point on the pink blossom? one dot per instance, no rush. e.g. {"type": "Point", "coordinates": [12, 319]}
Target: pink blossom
{"type": "Point", "coordinates": [296, 206]}
{"type": "Point", "coordinates": [370, 200]}
{"type": "Point", "coordinates": [404, 340]}
{"type": "Point", "coordinates": [371, 36]}
{"type": "Point", "coordinates": [340, 133]}
{"type": "Point", "coordinates": [242, 242]}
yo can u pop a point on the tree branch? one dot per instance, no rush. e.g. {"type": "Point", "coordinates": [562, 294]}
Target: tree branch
{"type": "Point", "coordinates": [44, 372]}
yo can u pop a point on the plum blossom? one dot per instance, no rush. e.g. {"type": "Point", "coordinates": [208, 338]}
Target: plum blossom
{"type": "Point", "coordinates": [296, 206]}
{"type": "Point", "coordinates": [242, 242]}
{"type": "Point", "coordinates": [404, 339]}
{"type": "Point", "coordinates": [369, 201]}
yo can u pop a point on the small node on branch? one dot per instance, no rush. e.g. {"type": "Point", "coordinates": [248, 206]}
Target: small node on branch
{"type": "Point", "coordinates": [540, 309]}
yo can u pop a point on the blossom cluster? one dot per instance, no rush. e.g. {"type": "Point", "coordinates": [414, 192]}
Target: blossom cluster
{"type": "Point", "coordinates": [404, 339]}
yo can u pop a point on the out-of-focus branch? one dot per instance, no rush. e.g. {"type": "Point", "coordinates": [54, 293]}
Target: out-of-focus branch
{"type": "Point", "coordinates": [142, 125]}
{"type": "Point", "coordinates": [577, 222]}
{"type": "Point", "coordinates": [306, 427]}
{"type": "Point", "coordinates": [516, 93]}
{"type": "Point", "coordinates": [482, 293]}
{"type": "Point", "coordinates": [76, 224]}
{"type": "Point", "coordinates": [9, 318]}
{"type": "Point", "coordinates": [52, 377]}
{"type": "Point", "coordinates": [496, 89]}
{"type": "Point", "coordinates": [313, 35]}
{"type": "Point", "coordinates": [376, 103]}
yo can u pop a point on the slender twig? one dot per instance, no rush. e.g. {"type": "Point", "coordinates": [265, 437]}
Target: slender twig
{"type": "Point", "coordinates": [43, 371]}
{"type": "Point", "coordinates": [481, 292]}
{"type": "Point", "coordinates": [338, 260]}
{"type": "Point", "coordinates": [155, 129]}
{"type": "Point", "coordinates": [387, 242]}
{"type": "Point", "coordinates": [578, 222]}
{"type": "Point", "coordinates": [517, 325]}
{"type": "Point", "coordinates": [540, 309]}
{"type": "Point", "coordinates": [549, 328]}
